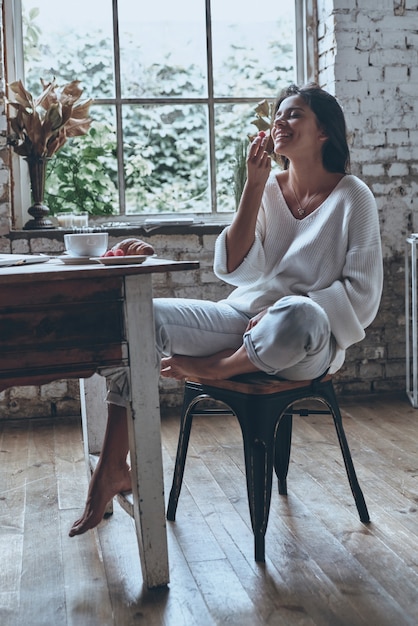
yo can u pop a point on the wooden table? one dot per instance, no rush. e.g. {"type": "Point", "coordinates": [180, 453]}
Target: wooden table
{"type": "Point", "coordinates": [63, 321]}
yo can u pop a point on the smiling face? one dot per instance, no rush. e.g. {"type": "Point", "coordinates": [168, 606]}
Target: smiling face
{"type": "Point", "coordinates": [296, 131]}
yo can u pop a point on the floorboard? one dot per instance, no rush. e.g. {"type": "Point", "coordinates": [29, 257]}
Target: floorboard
{"type": "Point", "coordinates": [323, 566]}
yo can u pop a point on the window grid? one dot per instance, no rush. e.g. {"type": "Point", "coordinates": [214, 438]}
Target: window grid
{"type": "Point", "coordinates": [305, 25]}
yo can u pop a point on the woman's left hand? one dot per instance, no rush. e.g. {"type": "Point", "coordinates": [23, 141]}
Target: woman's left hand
{"type": "Point", "coordinates": [254, 320]}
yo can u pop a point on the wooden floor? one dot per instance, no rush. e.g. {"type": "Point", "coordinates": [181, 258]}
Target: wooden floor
{"type": "Point", "coordinates": [323, 566]}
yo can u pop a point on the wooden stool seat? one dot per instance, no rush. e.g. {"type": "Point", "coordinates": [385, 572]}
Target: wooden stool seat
{"type": "Point", "coordinates": [264, 408]}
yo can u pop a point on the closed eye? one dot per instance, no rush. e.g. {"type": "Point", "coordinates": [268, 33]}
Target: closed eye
{"type": "Point", "coordinates": [289, 114]}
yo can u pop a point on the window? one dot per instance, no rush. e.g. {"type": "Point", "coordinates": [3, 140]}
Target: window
{"type": "Point", "coordinates": [174, 85]}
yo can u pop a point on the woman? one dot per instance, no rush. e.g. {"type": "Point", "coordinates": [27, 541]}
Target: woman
{"type": "Point", "coordinates": [304, 254]}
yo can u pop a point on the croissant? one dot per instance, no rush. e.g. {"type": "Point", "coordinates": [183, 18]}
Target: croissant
{"type": "Point", "coordinates": [133, 246]}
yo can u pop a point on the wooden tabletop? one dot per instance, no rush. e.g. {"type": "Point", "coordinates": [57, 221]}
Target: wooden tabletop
{"type": "Point", "coordinates": [54, 269]}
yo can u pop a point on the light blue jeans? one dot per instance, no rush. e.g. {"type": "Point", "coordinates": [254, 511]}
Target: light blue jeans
{"type": "Point", "coordinates": [292, 341]}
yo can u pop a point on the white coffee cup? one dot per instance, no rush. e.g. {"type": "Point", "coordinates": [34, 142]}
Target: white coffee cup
{"type": "Point", "coordinates": [86, 244]}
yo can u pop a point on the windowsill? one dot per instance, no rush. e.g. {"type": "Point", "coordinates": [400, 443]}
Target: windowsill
{"type": "Point", "coordinates": [169, 223]}
{"type": "Point", "coordinates": [120, 230]}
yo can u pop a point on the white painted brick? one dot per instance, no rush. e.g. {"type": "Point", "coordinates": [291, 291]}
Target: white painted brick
{"type": "Point", "coordinates": [373, 169]}
{"type": "Point", "coordinates": [159, 279]}
{"type": "Point", "coordinates": [381, 190]}
{"type": "Point", "coordinates": [398, 169]}
{"type": "Point", "coordinates": [209, 241]}
{"type": "Point", "coordinates": [348, 42]}
{"type": "Point", "coordinates": [344, 4]}
{"type": "Point", "coordinates": [374, 139]}
{"type": "Point", "coordinates": [55, 389]}
{"type": "Point", "coordinates": [408, 89]}
{"type": "Point", "coordinates": [184, 278]}
{"type": "Point", "coordinates": [396, 73]}
{"type": "Point", "coordinates": [398, 24]}
{"type": "Point", "coordinates": [407, 153]}
{"type": "Point", "coordinates": [25, 393]}
{"type": "Point", "coordinates": [399, 137]}
{"type": "Point", "coordinates": [396, 38]}
{"type": "Point", "coordinates": [350, 70]}
{"type": "Point", "coordinates": [4, 243]}
{"type": "Point", "coordinates": [207, 276]}
{"type": "Point", "coordinates": [375, 5]}
{"type": "Point", "coordinates": [172, 245]}
{"type": "Point", "coordinates": [370, 74]}
{"type": "Point", "coordinates": [411, 5]}
{"type": "Point", "coordinates": [411, 39]}
{"type": "Point", "coordinates": [4, 176]}
{"type": "Point", "coordinates": [367, 41]}
{"type": "Point", "coordinates": [190, 292]}
{"type": "Point", "coordinates": [385, 57]}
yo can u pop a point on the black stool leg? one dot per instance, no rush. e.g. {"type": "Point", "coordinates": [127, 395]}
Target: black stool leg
{"type": "Point", "coordinates": [258, 439]}
{"type": "Point", "coordinates": [190, 393]}
{"type": "Point", "coordinates": [282, 451]}
{"type": "Point", "coordinates": [351, 472]}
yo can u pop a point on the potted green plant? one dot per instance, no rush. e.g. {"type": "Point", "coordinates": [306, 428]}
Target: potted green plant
{"type": "Point", "coordinates": [40, 127]}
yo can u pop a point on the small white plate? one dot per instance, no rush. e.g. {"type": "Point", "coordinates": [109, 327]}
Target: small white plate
{"type": "Point", "coordinates": [130, 259]}
{"type": "Point", "coordinates": [76, 260]}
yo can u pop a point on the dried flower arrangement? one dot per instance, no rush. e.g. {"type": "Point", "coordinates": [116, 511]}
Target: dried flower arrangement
{"type": "Point", "coordinates": [41, 126]}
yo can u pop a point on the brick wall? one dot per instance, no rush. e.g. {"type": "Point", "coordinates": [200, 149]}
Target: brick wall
{"type": "Point", "coordinates": [367, 57]}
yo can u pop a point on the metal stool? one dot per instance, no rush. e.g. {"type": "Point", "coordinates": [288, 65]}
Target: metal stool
{"type": "Point", "coordinates": [263, 406]}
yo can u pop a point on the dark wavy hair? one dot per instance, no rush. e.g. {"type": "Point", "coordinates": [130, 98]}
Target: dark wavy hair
{"type": "Point", "coordinates": [335, 153]}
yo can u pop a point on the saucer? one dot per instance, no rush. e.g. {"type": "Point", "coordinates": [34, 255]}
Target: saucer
{"type": "Point", "coordinates": [131, 259]}
{"type": "Point", "coordinates": [76, 260]}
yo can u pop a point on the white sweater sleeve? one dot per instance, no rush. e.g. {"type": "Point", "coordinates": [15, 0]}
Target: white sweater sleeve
{"type": "Point", "coordinates": [352, 302]}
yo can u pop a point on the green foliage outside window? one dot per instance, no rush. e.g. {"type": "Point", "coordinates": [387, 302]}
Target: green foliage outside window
{"type": "Point", "coordinates": [83, 175]}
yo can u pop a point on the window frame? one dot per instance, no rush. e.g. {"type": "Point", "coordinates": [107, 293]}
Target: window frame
{"type": "Point", "coordinates": [305, 64]}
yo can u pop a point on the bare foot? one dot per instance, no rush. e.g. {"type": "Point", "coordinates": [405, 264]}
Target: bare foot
{"type": "Point", "coordinates": [218, 366]}
{"type": "Point", "coordinates": [104, 485]}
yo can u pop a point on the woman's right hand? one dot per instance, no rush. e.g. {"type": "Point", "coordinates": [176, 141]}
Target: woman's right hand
{"type": "Point", "coordinates": [258, 161]}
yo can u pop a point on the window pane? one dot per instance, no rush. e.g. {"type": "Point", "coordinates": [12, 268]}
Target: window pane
{"type": "Point", "coordinates": [163, 48]}
{"type": "Point", "coordinates": [75, 43]}
{"type": "Point", "coordinates": [166, 159]}
{"type": "Point", "coordinates": [232, 126]}
{"type": "Point", "coordinates": [253, 47]}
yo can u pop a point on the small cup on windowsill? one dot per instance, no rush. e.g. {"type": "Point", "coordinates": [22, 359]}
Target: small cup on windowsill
{"type": "Point", "coordinates": [65, 220]}
{"type": "Point", "coordinates": [80, 221]}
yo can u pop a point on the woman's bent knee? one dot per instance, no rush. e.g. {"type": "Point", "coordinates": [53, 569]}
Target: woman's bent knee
{"type": "Point", "coordinates": [295, 330]}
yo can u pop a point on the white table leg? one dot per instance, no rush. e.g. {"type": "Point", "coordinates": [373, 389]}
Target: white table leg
{"type": "Point", "coordinates": [145, 432]}
{"type": "Point", "coordinates": [93, 412]}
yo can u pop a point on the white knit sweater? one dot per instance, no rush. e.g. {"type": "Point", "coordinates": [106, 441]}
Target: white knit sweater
{"type": "Point", "coordinates": [332, 256]}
